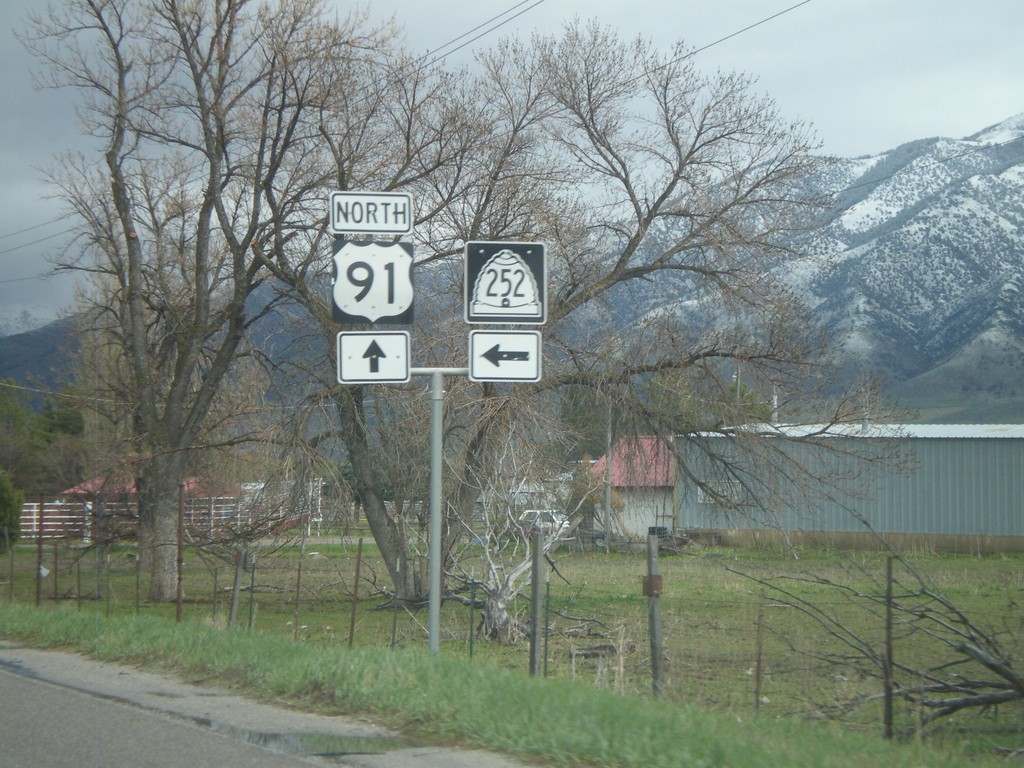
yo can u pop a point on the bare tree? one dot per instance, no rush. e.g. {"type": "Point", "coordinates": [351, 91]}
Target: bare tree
{"type": "Point", "coordinates": [197, 112]}
{"type": "Point", "coordinates": [667, 199]}
{"type": "Point", "coordinates": [671, 200]}
{"type": "Point", "coordinates": [495, 553]}
{"type": "Point", "coordinates": [970, 665]}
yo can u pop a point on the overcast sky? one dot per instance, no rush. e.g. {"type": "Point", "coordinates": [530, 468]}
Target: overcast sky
{"type": "Point", "coordinates": [868, 74]}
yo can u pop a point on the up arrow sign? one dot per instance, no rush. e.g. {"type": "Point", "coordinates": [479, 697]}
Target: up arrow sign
{"type": "Point", "coordinates": [504, 356]}
{"type": "Point", "coordinates": [373, 357]}
{"type": "Point", "coordinates": [374, 353]}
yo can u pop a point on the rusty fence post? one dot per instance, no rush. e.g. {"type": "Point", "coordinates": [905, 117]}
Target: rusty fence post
{"type": "Point", "coordinates": [652, 590]}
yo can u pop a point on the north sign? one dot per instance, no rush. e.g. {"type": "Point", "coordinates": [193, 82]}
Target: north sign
{"type": "Point", "coordinates": [370, 213]}
{"type": "Point", "coordinates": [373, 357]}
{"type": "Point", "coordinates": [505, 283]}
{"type": "Point", "coordinates": [504, 355]}
{"type": "Point", "coordinates": [372, 282]}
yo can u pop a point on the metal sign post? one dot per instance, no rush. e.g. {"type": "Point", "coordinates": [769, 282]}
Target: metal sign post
{"type": "Point", "coordinates": [436, 457]}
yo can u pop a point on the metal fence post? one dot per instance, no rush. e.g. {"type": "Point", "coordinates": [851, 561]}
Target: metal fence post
{"type": "Point", "coordinates": [888, 710]}
{"type": "Point", "coordinates": [39, 552]}
{"type": "Point", "coordinates": [180, 557]}
{"type": "Point", "coordinates": [758, 653]}
{"type": "Point", "coordinates": [536, 604]}
{"type": "Point", "coordinates": [252, 588]}
{"type": "Point", "coordinates": [9, 548]}
{"type": "Point", "coordinates": [652, 589]}
{"type": "Point", "coordinates": [355, 595]}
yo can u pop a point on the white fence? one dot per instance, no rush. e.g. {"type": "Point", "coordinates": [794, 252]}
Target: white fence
{"type": "Point", "coordinates": [268, 510]}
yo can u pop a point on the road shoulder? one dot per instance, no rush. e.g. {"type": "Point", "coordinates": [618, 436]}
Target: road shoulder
{"type": "Point", "coordinates": [278, 727]}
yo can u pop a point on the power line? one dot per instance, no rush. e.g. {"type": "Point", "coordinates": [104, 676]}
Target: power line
{"type": "Point", "coordinates": [29, 229]}
{"type": "Point", "coordinates": [719, 41]}
{"type": "Point", "coordinates": [26, 279]}
{"type": "Point", "coordinates": [741, 31]}
{"type": "Point", "coordinates": [486, 31]}
{"type": "Point", "coordinates": [439, 57]}
{"type": "Point", "coordinates": [691, 54]}
{"type": "Point", "coordinates": [32, 242]}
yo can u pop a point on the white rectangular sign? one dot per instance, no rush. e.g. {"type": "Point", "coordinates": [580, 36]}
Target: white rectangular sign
{"type": "Point", "coordinates": [373, 357]}
{"type": "Point", "coordinates": [370, 213]}
{"type": "Point", "coordinates": [504, 356]}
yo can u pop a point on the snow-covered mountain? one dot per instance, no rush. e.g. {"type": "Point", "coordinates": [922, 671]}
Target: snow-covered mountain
{"type": "Point", "coordinates": [925, 267]}
{"type": "Point", "coordinates": [21, 321]}
{"type": "Point", "coordinates": [920, 266]}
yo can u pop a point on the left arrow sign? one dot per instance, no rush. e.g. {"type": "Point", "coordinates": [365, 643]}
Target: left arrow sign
{"type": "Point", "coordinates": [495, 356]}
{"type": "Point", "coordinates": [504, 355]}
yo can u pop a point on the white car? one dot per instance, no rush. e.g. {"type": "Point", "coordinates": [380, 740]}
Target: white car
{"type": "Point", "coordinates": [547, 520]}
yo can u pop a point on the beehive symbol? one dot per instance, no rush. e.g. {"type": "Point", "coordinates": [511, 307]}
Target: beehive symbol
{"type": "Point", "coordinates": [506, 287]}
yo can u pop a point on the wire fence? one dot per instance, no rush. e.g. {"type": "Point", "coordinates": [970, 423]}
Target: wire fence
{"type": "Point", "coordinates": [737, 634]}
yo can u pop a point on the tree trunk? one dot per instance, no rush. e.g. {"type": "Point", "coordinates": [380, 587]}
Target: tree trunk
{"type": "Point", "coordinates": [394, 548]}
{"type": "Point", "coordinates": [499, 624]}
{"type": "Point", "coordinates": [157, 489]}
{"type": "Point", "coordinates": [386, 529]}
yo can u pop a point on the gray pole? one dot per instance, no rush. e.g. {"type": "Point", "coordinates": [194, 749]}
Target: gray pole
{"type": "Point", "coordinates": [436, 447]}
{"type": "Point", "coordinates": [180, 556]}
{"type": "Point", "coordinates": [608, 484]}
{"type": "Point", "coordinates": [536, 606]}
{"type": "Point", "coordinates": [436, 415]}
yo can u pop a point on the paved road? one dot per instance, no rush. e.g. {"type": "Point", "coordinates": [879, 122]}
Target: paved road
{"type": "Point", "coordinates": [61, 710]}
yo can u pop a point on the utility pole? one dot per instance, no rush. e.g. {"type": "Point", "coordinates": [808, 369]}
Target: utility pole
{"type": "Point", "coordinates": [608, 483]}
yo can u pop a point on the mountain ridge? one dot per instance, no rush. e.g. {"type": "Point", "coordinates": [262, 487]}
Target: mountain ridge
{"type": "Point", "coordinates": [917, 265]}
{"type": "Point", "coordinates": [926, 265]}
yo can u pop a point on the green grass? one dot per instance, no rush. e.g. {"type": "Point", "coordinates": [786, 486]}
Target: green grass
{"type": "Point", "coordinates": [448, 700]}
{"type": "Point", "coordinates": [710, 627]}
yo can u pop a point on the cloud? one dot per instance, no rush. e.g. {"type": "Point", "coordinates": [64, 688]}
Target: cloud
{"type": "Point", "coordinates": [869, 75]}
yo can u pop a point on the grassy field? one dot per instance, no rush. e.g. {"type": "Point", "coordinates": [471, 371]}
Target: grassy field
{"type": "Point", "coordinates": [597, 642]}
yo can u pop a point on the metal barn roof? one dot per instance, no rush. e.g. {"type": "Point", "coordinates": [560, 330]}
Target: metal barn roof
{"type": "Point", "coordinates": [922, 431]}
{"type": "Point", "coordinates": [964, 430]}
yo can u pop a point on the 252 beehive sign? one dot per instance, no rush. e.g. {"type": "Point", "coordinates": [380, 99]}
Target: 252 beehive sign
{"type": "Point", "coordinates": [505, 283]}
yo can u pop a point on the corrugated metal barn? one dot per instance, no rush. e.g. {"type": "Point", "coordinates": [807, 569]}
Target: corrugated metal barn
{"type": "Point", "coordinates": [959, 480]}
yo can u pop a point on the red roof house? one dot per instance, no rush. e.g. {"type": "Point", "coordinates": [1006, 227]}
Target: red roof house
{"type": "Point", "coordinates": [643, 478]}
